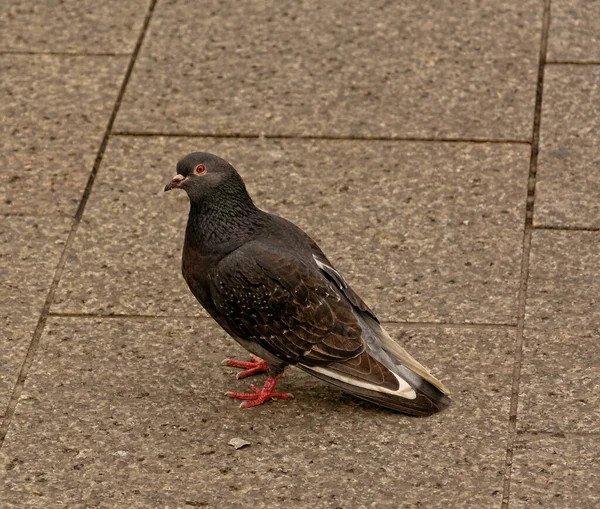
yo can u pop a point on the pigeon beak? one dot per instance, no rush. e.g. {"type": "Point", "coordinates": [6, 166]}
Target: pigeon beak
{"type": "Point", "coordinates": [176, 182]}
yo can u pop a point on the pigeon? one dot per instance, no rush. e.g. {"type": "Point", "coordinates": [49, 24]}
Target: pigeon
{"type": "Point", "coordinates": [272, 289]}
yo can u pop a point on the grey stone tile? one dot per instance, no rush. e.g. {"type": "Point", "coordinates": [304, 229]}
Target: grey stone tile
{"type": "Point", "coordinates": [29, 252]}
{"type": "Point", "coordinates": [55, 112]}
{"type": "Point", "coordinates": [426, 69]}
{"type": "Point", "coordinates": [133, 411]}
{"type": "Point", "coordinates": [126, 257]}
{"type": "Point", "coordinates": [475, 364]}
{"type": "Point", "coordinates": [560, 382]}
{"type": "Point", "coordinates": [564, 281]}
{"type": "Point", "coordinates": [568, 182]}
{"type": "Point", "coordinates": [556, 471]}
{"type": "Point", "coordinates": [78, 26]}
{"type": "Point", "coordinates": [574, 31]}
{"type": "Point", "coordinates": [423, 231]}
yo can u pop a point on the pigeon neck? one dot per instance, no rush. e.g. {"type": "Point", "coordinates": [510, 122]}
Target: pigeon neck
{"type": "Point", "coordinates": [227, 218]}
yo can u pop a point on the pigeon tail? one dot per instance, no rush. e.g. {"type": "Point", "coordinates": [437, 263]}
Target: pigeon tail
{"type": "Point", "coordinates": [385, 374]}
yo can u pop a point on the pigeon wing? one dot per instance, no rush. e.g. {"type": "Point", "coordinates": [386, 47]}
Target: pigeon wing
{"type": "Point", "coordinates": [285, 305]}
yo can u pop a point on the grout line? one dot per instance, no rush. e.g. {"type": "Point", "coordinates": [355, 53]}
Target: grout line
{"type": "Point", "coordinates": [62, 215]}
{"type": "Point", "coordinates": [113, 116]}
{"type": "Point", "coordinates": [147, 134]}
{"type": "Point", "coordinates": [441, 325]}
{"type": "Point", "coordinates": [572, 331]}
{"type": "Point", "coordinates": [527, 234]}
{"type": "Point", "coordinates": [568, 62]}
{"type": "Point", "coordinates": [451, 325]}
{"type": "Point", "coordinates": [64, 53]}
{"type": "Point", "coordinates": [562, 434]}
{"type": "Point", "coordinates": [314, 137]}
{"type": "Point", "coordinates": [35, 341]}
{"type": "Point", "coordinates": [127, 316]}
{"type": "Point", "coordinates": [567, 228]}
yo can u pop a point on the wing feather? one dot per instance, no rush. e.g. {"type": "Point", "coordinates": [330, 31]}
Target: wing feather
{"type": "Point", "coordinates": [286, 306]}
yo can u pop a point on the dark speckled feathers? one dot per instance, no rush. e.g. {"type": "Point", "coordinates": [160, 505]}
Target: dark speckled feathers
{"type": "Point", "coordinates": [285, 305]}
{"type": "Point", "coordinates": [272, 289]}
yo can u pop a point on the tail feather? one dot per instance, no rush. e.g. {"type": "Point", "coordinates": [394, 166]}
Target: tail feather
{"type": "Point", "coordinates": [420, 405]}
{"type": "Point", "coordinates": [385, 374]}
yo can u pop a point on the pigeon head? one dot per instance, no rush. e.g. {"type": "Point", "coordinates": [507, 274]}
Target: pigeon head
{"type": "Point", "coordinates": [202, 175]}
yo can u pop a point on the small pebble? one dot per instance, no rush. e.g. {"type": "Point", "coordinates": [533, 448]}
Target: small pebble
{"type": "Point", "coordinates": [238, 443]}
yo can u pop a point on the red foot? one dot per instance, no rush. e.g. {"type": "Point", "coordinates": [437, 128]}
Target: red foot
{"type": "Point", "coordinates": [254, 367]}
{"type": "Point", "coordinates": [260, 395]}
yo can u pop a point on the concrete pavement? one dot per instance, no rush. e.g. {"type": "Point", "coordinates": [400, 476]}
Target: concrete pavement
{"type": "Point", "coordinates": [444, 155]}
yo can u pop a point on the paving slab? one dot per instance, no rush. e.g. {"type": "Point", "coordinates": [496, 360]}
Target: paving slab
{"type": "Point", "coordinates": [560, 382]}
{"type": "Point", "coordinates": [564, 281]}
{"type": "Point", "coordinates": [556, 470]}
{"type": "Point", "coordinates": [131, 412]}
{"type": "Point", "coordinates": [568, 181]}
{"type": "Point", "coordinates": [56, 109]}
{"type": "Point", "coordinates": [30, 248]}
{"type": "Point", "coordinates": [424, 231]}
{"type": "Point", "coordinates": [574, 31]}
{"type": "Point", "coordinates": [354, 69]}
{"type": "Point", "coordinates": [79, 26]}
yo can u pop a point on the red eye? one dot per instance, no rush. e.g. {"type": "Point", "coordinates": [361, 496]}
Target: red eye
{"type": "Point", "coordinates": [200, 169]}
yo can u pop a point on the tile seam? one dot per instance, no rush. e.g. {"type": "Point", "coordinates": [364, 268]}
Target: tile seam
{"type": "Point", "coordinates": [574, 62]}
{"type": "Point", "coordinates": [568, 228]}
{"type": "Point", "coordinates": [65, 53]}
{"type": "Point", "coordinates": [424, 324]}
{"type": "Point", "coordinates": [527, 236]}
{"type": "Point", "coordinates": [57, 215]}
{"type": "Point", "coordinates": [554, 328]}
{"type": "Point", "coordinates": [452, 325]}
{"type": "Point", "coordinates": [126, 316]}
{"type": "Point", "coordinates": [416, 139]}
{"type": "Point", "coordinates": [557, 433]}
{"type": "Point", "coordinates": [33, 345]}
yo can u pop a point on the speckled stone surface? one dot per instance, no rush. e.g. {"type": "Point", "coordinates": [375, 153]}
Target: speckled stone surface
{"type": "Point", "coordinates": [55, 111]}
{"type": "Point", "coordinates": [426, 69]}
{"type": "Point", "coordinates": [556, 470]}
{"type": "Point", "coordinates": [423, 231]}
{"type": "Point", "coordinates": [560, 382]}
{"type": "Point", "coordinates": [564, 281]}
{"type": "Point", "coordinates": [132, 413]}
{"type": "Point", "coordinates": [79, 26]}
{"type": "Point", "coordinates": [126, 257]}
{"type": "Point", "coordinates": [568, 180]}
{"type": "Point", "coordinates": [29, 252]}
{"type": "Point", "coordinates": [575, 31]}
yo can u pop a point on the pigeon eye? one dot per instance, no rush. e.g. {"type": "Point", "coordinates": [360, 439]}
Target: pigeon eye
{"type": "Point", "coordinates": [200, 169]}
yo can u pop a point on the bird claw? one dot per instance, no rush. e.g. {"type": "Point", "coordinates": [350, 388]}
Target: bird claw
{"type": "Point", "coordinates": [260, 399]}
{"type": "Point", "coordinates": [259, 396]}
{"type": "Point", "coordinates": [254, 367]}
